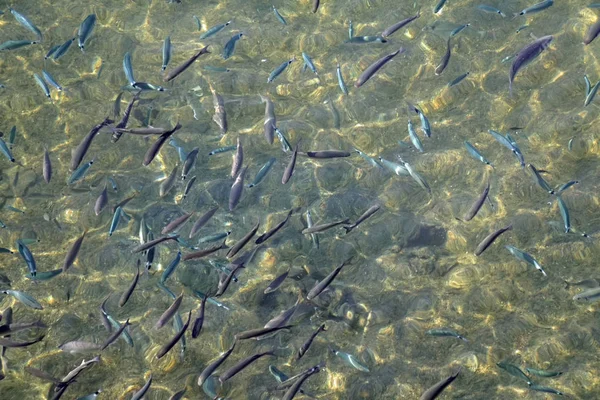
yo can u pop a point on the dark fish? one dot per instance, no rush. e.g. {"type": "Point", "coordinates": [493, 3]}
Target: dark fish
{"type": "Point", "coordinates": [255, 333]}
{"type": "Point", "coordinates": [526, 55]}
{"type": "Point", "coordinates": [210, 368]}
{"type": "Point", "coordinates": [101, 201]}
{"type": "Point", "coordinates": [167, 184]}
{"type": "Point", "coordinates": [324, 227]}
{"type": "Point", "coordinates": [142, 131]}
{"type": "Point", "coordinates": [270, 119]}
{"type": "Point", "coordinates": [238, 159]}
{"type": "Point", "coordinates": [489, 239]}
{"type": "Point", "coordinates": [140, 393]}
{"type": "Point", "coordinates": [188, 187]}
{"type": "Point", "coordinates": [72, 375]}
{"type": "Point", "coordinates": [123, 123]}
{"type": "Point", "coordinates": [80, 151]}
{"type": "Point", "coordinates": [11, 343]}
{"type": "Point", "coordinates": [172, 74]}
{"type": "Point", "coordinates": [202, 221]}
{"type": "Point", "coordinates": [540, 180]}
{"type": "Point", "coordinates": [155, 148]}
{"type": "Point", "coordinates": [234, 370]}
{"type": "Point", "coordinates": [176, 223]}
{"type": "Point", "coordinates": [367, 214]}
{"type": "Point", "coordinates": [315, 5]}
{"type": "Point", "coordinates": [279, 70]}
{"type": "Point", "coordinates": [265, 236]}
{"type": "Point", "coordinates": [237, 188]}
{"type": "Point", "coordinates": [225, 283]}
{"type": "Point", "coordinates": [169, 345]}
{"type": "Point", "coordinates": [169, 312]}
{"type": "Point", "coordinates": [295, 387]}
{"type": "Point", "coordinates": [439, 387]}
{"type": "Point", "coordinates": [27, 256]}
{"type": "Point", "coordinates": [328, 154]}
{"type": "Point", "coordinates": [123, 202]}
{"type": "Point", "coordinates": [229, 47]}
{"type": "Point", "coordinates": [152, 243]}
{"type": "Point", "coordinates": [115, 335]}
{"type": "Point", "coordinates": [592, 33]}
{"type": "Point", "coordinates": [320, 286]}
{"type": "Point", "coordinates": [189, 162]}
{"type": "Point", "coordinates": [47, 167]}
{"type": "Point", "coordinates": [477, 204]}
{"type": "Point", "coordinates": [276, 283]}
{"type": "Point", "coordinates": [289, 170]}
{"type": "Point", "coordinates": [204, 253]}
{"type": "Point", "coordinates": [514, 371]}
{"type": "Point", "coordinates": [242, 242]}
{"type": "Point", "coordinates": [399, 25]}
{"type": "Point", "coordinates": [445, 59]}
{"type": "Point", "coordinates": [304, 348]}
{"type": "Point", "coordinates": [73, 252]}
{"type": "Point", "coordinates": [199, 321]}
{"type": "Point", "coordinates": [376, 66]}
{"type": "Point", "coordinates": [127, 294]}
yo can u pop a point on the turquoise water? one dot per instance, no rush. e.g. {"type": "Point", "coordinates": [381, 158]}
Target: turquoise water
{"type": "Point", "coordinates": [412, 265]}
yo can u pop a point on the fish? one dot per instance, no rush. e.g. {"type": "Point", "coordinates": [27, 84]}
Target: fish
{"type": "Point", "coordinates": [235, 194]}
{"type": "Point", "coordinates": [439, 387]}
{"type": "Point", "coordinates": [27, 256]}
{"type": "Point", "coordinates": [73, 252]}
{"type": "Point", "coordinates": [262, 172]}
{"type": "Point", "coordinates": [367, 214]}
{"type": "Point", "coordinates": [474, 152]}
{"type": "Point", "coordinates": [112, 338]}
{"type": "Point", "coordinates": [591, 94]}
{"type": "Point", "coordinates": [514, 371]}
{"type": "Point", "coordinates": [115, 220]}
{"type": "Point", "coordinates": [85, 30]}
{"type": "Point", "coordinates": [239, 366]}
{"type": "Point", "coordinates": [123, 123]}
{"type": "Point", "coordinates": [289, 170]}
{"type": "Point", "coordinates": [42, 83]}
{"type": "Point", "coordinates": [489, 239]}
{"type": "Point", "coordinates": [308, 62]}
{"type": "Point", "coordinates": [537, 7]}
{"type": "Point", "coordinates": [340, 78]}
{"type": "Point", "coordinates": [212, 367]}
{"type": "Point", "coordinates": [169, 312]}
{"type": "Point", "coordinates": [202, 221]}
{"type": "Point", "coordinates": [265, 236]}
{"type": "Point", "coordinates": [127, 293]}
{"type": "Point", "coordinates": [526, 55]}
{"type": "Point", "coordinates": [220, 115]}
{"type": "Point", "coordinates": [128, 69]}
{"type": "Point", "coordinates": [279, 70]}
{"type": "Point", "coordinates": [50, 79]}
{"type": "Point", "coordinates": [280, 19]}
{"type": "Point", "coordinates": [81, 150]}
{"type": "Point", "coordinates": [156, 146]}
{"type": "Point", "coordinates": [140, 393]}
{"type": "Point", "coordinates": [545, 389]}
{"type": "Point", "coordinates": [270, 119]}
{"type": "Point", "coordinates": [51, 52]}
{"type": "Point", "coordinates": [238, 159]}
{"type": "Point", "coordinates": [11, 343]}
{"type": "Point", "coordinates": [438, 7]}
{"type": "Point", "coordinates": [204, 253]}
{"type": "Point", "coordinates": [175, 72]}
{"type": "Point", "coordinates": [214, 30]}
{"type": "Point", "coordinates": [295, 387]}
{"type": "Point", "coordinates": [564, 187]}
{"type": "Point", "coordinates": [521, 255]}
{"type": "Point", "coordinates": [6, 151]}
{"type": "Point", "coordinates": [306, 345]}
{"type": "Point", "coordinates": [78, 346]}
{"type": "Point", "coordinates": [323, 227]}
{"type": "Point", "coordinates": [167, 184]}
{"type": "Point", "coordinates": [151, 243]}
{"type": "Point", "coordinates": [254, 333]}
{"type": "Point", "coordinates": [540, 180]}
{"type": "Point", "coordinates": [178, 336]}
{"type": "Point", "coordinates": [230, 45]}
{"type": "Point", "coordinates": [458, 80]}
{"type": "Point", "coordinates": [23, 298]}
{"type": "Point", "coordinates": [445, 59]}
{"type": "Point", "coordinates": [328, 154]}
{"type": "Point", "coordinates": [414, 138]}
{"type": "Point", "coordinates": [224, 284]}
{"type": "Point", "coordinates": [441, 332]}
{"type": "Point", "coordinates": [366, 39]}
{"type": "Point", "coordinates": [276, 283]}
{"type": "Point", "coordinates": [170, 268]}
{"type": "Point", "coordinates": [199, 321]}
{"type": "Point", "coordinates": [315, 6]}
{"type": "Point", "coordinates": [176, 223]}
{"type": "Point", "coordinates": [243, 241]}
{"type": "Point", "coordinates": [80, 172]}
{"type": "Point", "coordinates": [23, 20]}
{"type": "Point", "coordinates": [564, 213]}
{"type": "Point", "coordinates": [543, 373]}
{"type": "Point", "coordinates": [309, 223]}
{"type": "Point", "coordinates": [417, 177]}
{"type": "Point", "coordinates": [350, 360]}
{"type": "Point", "coordinates": [323, 284]}
{"type": "Point", "coordinates": [285, 144]}
{"type": "Point", "coordinates": [591, 33]}
{"type": "Point", "coordinates": [490, 9]}
{"type": "Point", "coordinates": [189, 162]}
{"type": "Point", "coordinates": [472, 212]}
{"type": "Point", "coordinates": [17, 44]}
{"type": "Point", "coordinates": [166, 53]}
{"type": "Point", "coordinates": [372, 69]}
{"type": "Point", "coordinates": [588, 295]}
{"type": "Point", "coordinates": [399, 25]}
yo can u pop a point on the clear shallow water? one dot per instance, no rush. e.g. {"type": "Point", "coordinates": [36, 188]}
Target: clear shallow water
{"type": "Point", "coordinates": [413, 267]}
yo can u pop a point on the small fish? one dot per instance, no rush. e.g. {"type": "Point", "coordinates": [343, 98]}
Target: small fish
{"type": "Point", "coordinates": [306, 345]}
{"type": "Point", "coordinates": [445, 59]}
{"type": "Point", "coordinates": [12, 136]}
{"type": "Point", "coordinates": [526, 55]}
{"type": "Point", "coordinates": [115, 220]}
{"type": "Point", "coordinates": [171, 343]}
{"type": "Point", "coordinates": [285, 144]}
{"type": "Point", "coordinates": [166, 53]}
{"type": "Point", "coordinates": [230, 45]}
{"type": "Point", "coordinates": [276, 283]}
{"type": "Point", "coordinates": [238, 159]}
{"type": "Point", "coordinates": [243, 241]}
{"type": "Point", "coordinates": [417, 177]}
{"type": "Point", "coordinates": [42, 83]}
{"type": "Point", "coordinates": [62, 50]}
{"type": "Point", "coordinates": [438, 388]}
{"type": "Point", "coordinates": [175, 72]}
{"type": "Point", "coordinates": [85, 30]}
{"type": "Point", "coordinates": [6, 151]}
{"type": "Point", "coordinates": [199, 321]}
{"type": "Point", "coordinates": [588, 295]}
{"type": "Point", "coordinates": [398, 25]}
{"type": "Point", "coordinates": [545, 389]}
{"type": "Point", "coordinates": [270, 119]}
{"type": "Point", "coordinates": [328, 154]}
{"type": "Point", "coordinates": [254, 333]}
{"type": "Point", "coordinates": [289, 170]}
{"type": "Point", "coordinates": [489, 239]}
{"type": "Point", "coordinates": [537, 7]}
{"type": "Point", "coordinates": [214, 30]}
{"type": "Point", "coordinates": [366, 39]}
{"type": "Point", "coordinates": [446, 332]}
{"type": "Point", "coordinates": [112, 338]}
{"type": "Point", "coordinates": [157, 145]}
{"type": "Point", "coordinates": [51, 52]}
{"type": "Point", "coordinates": [212, 367]}
{"type": "Point", "coordinates": [542, 373]}
{"type": "Point", "coordinates": [458, 79]}
{"type": "Point", "coordinates": [367, 214]}
{"type": "Point", "coordinates": [27, 256]}
{"type": "Point", "coordinates": [169, 312]}
{"type": "Point", "coordinates": [514, 371]}
{"type": "Point", "coordinates": [24, 298]}
{"type": "Point", "coordinates": [80, 172]}
{"type": "Point", "coordinates": [591, 94]}
{"type": "Point", "coordinates": [265, 236]}
{"type": "Point", "coordinates": [153, 242]}
{"type": "Point", "coordinates": [340, 79]}
{"type": "Point", "coordinates": [521, 255]}
{"type": "Point", "coordinates": [376, 66]}
{"type": "Point", "coordinates": [438, 8]}
{"type": "Point", "coordinates": [459, 29]}
{"type": "Point", "coordinates": [222, 150]}
{"type": "Point", "coordinates": [23, 20]}
{"type": "Point", "coordinates": [490, 9]}
{"type": "Point", "coordinates": [564, 187]}
{"type": "Point", "coordinates": [398, 169]}
{"type": "Point", "coordinates": [351, 30]}
{"type": "Point", "coordinates": [323, 284]}
{"type": "Point", "coordinates": [350, 360]}
{"type": "Point", "coordinates": [262, 172]}
{"type": "Point", "coordinates": [308, 63]}
{"type": "Point", "coordinates": [414, 138]}
{"type": "Point", "coordinates": [519, 29]}
{"type": "Point", "coordinates": [279, 70]}
{"type": "Point", "coordinates": [237, 188]}
{"type": "Point", "coordinates": [540, 180]}
{"type": "Point", "coordinates": [170, 268]}
{"type": "Point", "coordinates": [127, 293]}
{"type": "Point", "coordinates": [16, 44]}
{"type": "Point", "coordinates": [476, 154]}
{"type": "Point", "coordinates": [220, 115]}
{"type": "Point", "coordinates": [564, 213]}
{"type": "Point", "coordinates": [73, 252]}
{"type": "Point", "coordinates": [279, 16]}
{"type": "Point", "coordinates": [50, 79]}
{"type": "Point", "coordinates": [238, 367]}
